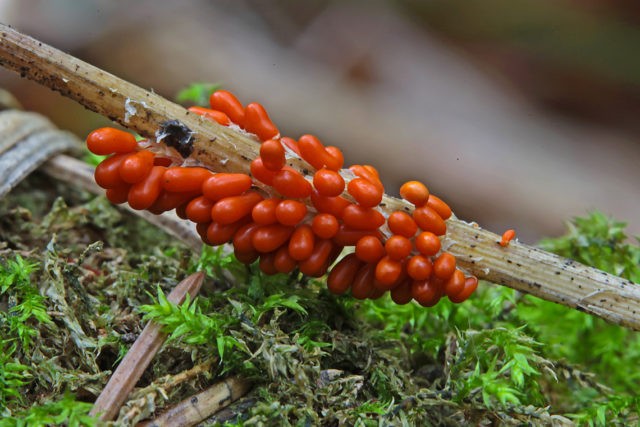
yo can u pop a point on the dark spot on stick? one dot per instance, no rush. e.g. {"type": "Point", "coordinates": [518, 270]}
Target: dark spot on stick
{"type": "Point", "coordinates": [175, 134]}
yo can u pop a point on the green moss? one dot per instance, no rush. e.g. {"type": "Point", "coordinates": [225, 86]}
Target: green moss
{"type": "Point", "coordinates": [600, 242]}
{"type": "Point", "coordinates": [81, 276]}
{"type": "Point", "coordinates": [66, 411]}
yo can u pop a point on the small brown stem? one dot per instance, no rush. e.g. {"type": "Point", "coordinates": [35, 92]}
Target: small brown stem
{"type": "Point", "coordinates": [222, 149]}
{"type": "Point", "coordinates": [139, 356]}
{"type": "Point", "coordinates": [142, 402]}
{"type": "Point", "coordinates": [202, 405]}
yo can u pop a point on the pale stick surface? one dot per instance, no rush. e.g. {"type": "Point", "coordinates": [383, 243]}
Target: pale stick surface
{"type": "Point", "coordinates": [201, 406]}
{"type": "Point", "coordinates": [224, 150]}
{"type": "Point", "coordinates": [142, 402]}
{"type": "Point", "coordinates": [140, 355]}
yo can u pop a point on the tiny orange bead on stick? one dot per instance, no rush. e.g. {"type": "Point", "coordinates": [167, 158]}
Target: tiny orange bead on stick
{"type": "Point", "coordinates": [169, 200]}
{"type": "Point", "coordinates": [455, 284]}
{"type": "Point", "coordinates": [347, 236]}
{"type": "Point", "coordinates": [264, 212]}
{"type": "Point", "coordinates": [219, 234]}
{"type": "Point", "coordinates": [268, 238]}
{"type": "Point", "coordinates": [105, 141]}
{"type": "Point", "coordinates": [401, 294]}
{"type": "Point", "coordinates": [439, 206]}
{"type": "Point", "coordinates": [267, 264]}
{"type": "Point", "coordinates": [398, 247]}
{"type": "Point", "coordinates": [290, 212]}
{"type": "Point", "coordinates": [226, 102]}
{"type": "Point", "coordinates": [388, 272]}
{"type": "Point", "coordinates": [361, 218]}
{"type": "Point", "coordinates": [429, 220]}
{"type": "Point", "coordinates": [316, 265]}
{"type": "Point", "coordinates": [367, 172]}
{"type": "Point", "coordinates": [319, 156]}
{"type": "Point", "coordinates": [272, 155]}
{"type": "Point", "coordinates": [334, 158]}
{"type": "Point", "coordinates": [215, 115]}
{"type": "Point", "coordinates": [118, 195]}
{"type": "Point", "coordinates": [470, 285]}
{"type": "Point", "coordinates": [328, 183]}
{"type": "Point", "coordinates": [291, 143]}
{"type": "Point", "coordinates": [107, 173]}
{"type": "Point", "coordinates": [257, 121]}
{"type": "Point", "coordinates": [343, 274]}
{"type": "Point", "coordinates": [232, 209]}
{"type": "Point", "coordinates": [414, 192]}
{"type": "Point", "coordinates": [325, 225]}
{"type": "Point", "coordinates": [199, 209]}
{"type": "Point", "coordinates": [136, 166]}
{"type": "Point", "coordinates": [425, 292]}
{"type": "Point", "coordinates": [401, 223]}
{"type": "Point", "coordinates": [243, 238]}
{"type": "Point", "coordinates": [283, 261]}
{"type": "Point", "coordinates": [302, 242]}
{"type": "Point", "coordinates": [143, 194]}
{"type": "Point", "coordinates": [427, 243]}
{"type": "Point", "coordinates": [221, 185]}
{"type": "Point", "coordinates": [246, 257]}
{"type": "Point", "coordinates": [366, 193]}
{"type": "Point", "coordinates": [370, 249]}
{"type": "Point", "coordinates": [333, 205]}
{"type": "Point", "coordinates": [261, 173]}
{"type": "Point", "coordinates": [291, 183]}
{"type": "Point", "coordinates": [419, 267]}
{"type": "Point", "coordinates": [507, 237]}
{"type": "Point", "coordinates": [444, 266]}
{"type": "Point", "coordinates": [181, 179]}
{"type": "Point", "coordinates": [362, 285]}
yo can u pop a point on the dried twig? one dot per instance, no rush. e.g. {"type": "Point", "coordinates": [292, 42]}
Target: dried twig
{"type": "Point", "coordinates": [142, 402]}
{"type": "Point", "coordinates": [139, 356]}
{"type": "Point", "coordinates": [202, 405]}
{"type": "Point", "coordinates": [518, 266]}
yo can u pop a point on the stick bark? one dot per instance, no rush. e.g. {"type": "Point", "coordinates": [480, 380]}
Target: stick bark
{"type": "Point", "coordinates": [200, 406]}
{"type": "Point", "coordinates": [222, 149]}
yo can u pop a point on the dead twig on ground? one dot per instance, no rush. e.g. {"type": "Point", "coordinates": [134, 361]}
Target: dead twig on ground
{"type": "Point", "coordinates": [202, 405]}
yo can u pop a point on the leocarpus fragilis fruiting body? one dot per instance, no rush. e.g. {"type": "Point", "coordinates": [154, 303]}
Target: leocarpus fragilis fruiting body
{"type": "Point", "coordinates": [303, 224]}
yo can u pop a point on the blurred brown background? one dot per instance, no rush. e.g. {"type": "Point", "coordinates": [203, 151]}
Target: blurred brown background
{"type": "Point", "coordinates": [519, 113]}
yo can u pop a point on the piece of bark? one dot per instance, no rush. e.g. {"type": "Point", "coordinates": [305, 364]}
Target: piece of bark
{"type": "Point", "coordinates": [202, 405]}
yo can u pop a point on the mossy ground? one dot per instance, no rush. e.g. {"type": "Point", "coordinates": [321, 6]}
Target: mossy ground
{"type": "Point", "coordinates": [77, 276]}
